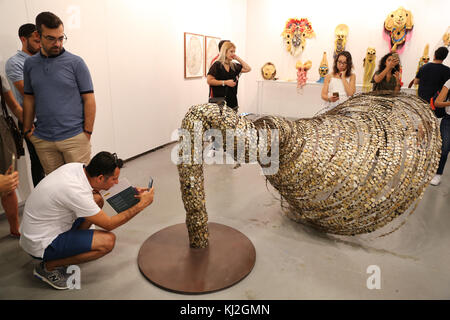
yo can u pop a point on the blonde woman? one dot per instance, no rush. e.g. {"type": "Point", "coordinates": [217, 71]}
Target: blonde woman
{"type": "Point", "coordinates": [223, 76]}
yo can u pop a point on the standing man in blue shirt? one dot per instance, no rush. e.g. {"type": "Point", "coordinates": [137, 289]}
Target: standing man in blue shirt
{"type": "Point", "coordinates": [59, 92]}
{"type": "Point", "coordinates": [31, 45]}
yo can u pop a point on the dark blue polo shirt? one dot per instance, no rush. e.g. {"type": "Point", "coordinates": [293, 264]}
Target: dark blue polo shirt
{"type": "Point", "coordinates": [57, 84]}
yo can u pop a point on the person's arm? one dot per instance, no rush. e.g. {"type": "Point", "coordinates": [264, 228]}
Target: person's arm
{"type": "Point", "coordinates": [440, 100]}
{"type": "Point", "coordinates": [416, 81]}
{"type": "Point", "coordinates": [89, 113]}
{"type": "Point", "coordinates": [15, 107]}
{"type": "Point", "coordinates": [397, 81]}
{"type": "Point", "coordinates": [108, 223]}
{"type": "Point", "coordinates": [19, 86]}
{"type": "Point", "coordinates": [324, 93]}
{"type": "Point", "coordinates": [9, 182]}
{"type": "Point", "coordinates": [28, 114]}
{"type": "Point", "coordinates": [380, 76]}
{"type": "Point", "coordinates": [216, 83]}
{"type": "Point", "coordinates": [245, 67]}
{"type": "Point", "coordinates": [349, 86]}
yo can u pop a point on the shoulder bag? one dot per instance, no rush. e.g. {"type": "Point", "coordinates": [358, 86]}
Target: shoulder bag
{"type": "Point", "coordinates": [9, 122]}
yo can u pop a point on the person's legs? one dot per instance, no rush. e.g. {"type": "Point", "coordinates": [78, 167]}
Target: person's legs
{"type": "Point", "coordinates": [11, 206]}
{"type": "Point", "coordinates": [76, 149]}
{"type": "Point", "coordinates": [79, 244]}
{"type": "Point", "coordinates": [50, 157]}
{"type": "Point", "coordinates": [445, 135]}
{"type": "Point", "coordinates": [102, 243]}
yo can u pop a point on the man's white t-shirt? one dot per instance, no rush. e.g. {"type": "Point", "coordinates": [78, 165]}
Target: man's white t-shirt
{"type": "Point", "coordinates": [53, 206]}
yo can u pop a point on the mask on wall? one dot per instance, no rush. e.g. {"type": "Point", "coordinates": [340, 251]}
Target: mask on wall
{"type": "Point", "coordinates": [269, 71]}
{"type": "Point", "coordinates": [323, 69]}
{"type": "Point", "coordinates": [446, 38]}
{"type": "Point", "coordinates": [423, 60]}
{"type": "Point", "coordinates": [341, 33]}
{"type": "Point", "coordinates": [295, 34]}
{"type": "Point", "coordinates": [397, 23]}
{"type": "Point", "coordinates": [425, 57]}
{"type": "Point", "coordinates": [369, 68]}
{"type": "Point", "coordinates": [302, 69]}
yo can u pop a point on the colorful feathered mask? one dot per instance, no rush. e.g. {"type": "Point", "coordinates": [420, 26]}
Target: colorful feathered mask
{"type": "Point", "coordinates": [295, 34]}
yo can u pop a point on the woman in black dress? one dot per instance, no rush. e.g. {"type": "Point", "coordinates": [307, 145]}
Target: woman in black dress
{"type": "Point", "coordinates": [223, 76]}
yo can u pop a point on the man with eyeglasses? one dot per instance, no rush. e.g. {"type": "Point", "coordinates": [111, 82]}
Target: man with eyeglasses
{"type": "Point", "coordinates": [58, 214]}
{"type": "Point", "coordinates": [58, 90]}
{"type": "Point", "coordinates": [31, 45]}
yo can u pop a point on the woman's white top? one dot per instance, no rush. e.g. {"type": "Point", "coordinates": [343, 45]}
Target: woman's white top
{"type": "Point", "coordinates": [336, 85]}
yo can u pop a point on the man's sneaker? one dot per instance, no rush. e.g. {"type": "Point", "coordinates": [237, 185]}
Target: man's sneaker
{"type": "Point", "coordinates": [57, 278]}
{"type": "Point", "coordinates": [436, 180]}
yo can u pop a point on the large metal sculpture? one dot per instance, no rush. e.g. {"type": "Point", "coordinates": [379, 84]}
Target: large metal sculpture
{"type": "Point", "coordinates": [349, 171]}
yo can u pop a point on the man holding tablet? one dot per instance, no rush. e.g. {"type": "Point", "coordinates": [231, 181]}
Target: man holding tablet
{"type": "Point", "coordinates": [61, 209]}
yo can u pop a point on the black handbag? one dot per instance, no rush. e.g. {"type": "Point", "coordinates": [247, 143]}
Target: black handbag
{"type": "Point", "coordinates": [13, 129]}
{"type": "Point", "coordinates": [220, 101]}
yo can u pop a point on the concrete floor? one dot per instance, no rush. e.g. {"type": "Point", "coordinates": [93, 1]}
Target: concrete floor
{"type": "Point", "coordinates": [292, 261]}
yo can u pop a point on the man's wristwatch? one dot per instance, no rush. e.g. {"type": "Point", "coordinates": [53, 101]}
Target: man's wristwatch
{"type": "Point", "coordinates": [88, 132]}
{"type": "Point", "coordinates": [26, 132]}
{"type": "Point", "coordinates": [223, 83]}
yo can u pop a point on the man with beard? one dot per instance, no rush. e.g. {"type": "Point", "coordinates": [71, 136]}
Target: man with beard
{"type": "Point", "coordinates": [14, 71]}
{"type": "Point", "coordinates": [59, 92]}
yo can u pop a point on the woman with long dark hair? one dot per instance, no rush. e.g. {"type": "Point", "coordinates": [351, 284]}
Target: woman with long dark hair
{"type": "Point", "coordinates": [339, 85]}
{"type": "Point", "coordinates": [387, 77]}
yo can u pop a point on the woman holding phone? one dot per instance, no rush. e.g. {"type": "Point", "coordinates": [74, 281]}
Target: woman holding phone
{"type": "Point", "coordinates": [341, 83]}
{"type": "Point", "coordinates": [387, 77]}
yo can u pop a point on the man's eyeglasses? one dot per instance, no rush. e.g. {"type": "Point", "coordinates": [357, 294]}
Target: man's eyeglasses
{"type": "Point", "coordinates": [62, 39]}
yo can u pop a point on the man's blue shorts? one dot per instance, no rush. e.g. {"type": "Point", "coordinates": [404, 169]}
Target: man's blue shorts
{"type": "Point", "coordinates": [70, 243]}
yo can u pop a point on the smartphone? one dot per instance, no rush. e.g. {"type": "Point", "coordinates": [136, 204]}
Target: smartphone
{"type": "Point", "coordinates": [13, 162]}
{"type": "Point", "coordinates": [150, 183]}
{"type": "Point", "coordinates": [336, 94]}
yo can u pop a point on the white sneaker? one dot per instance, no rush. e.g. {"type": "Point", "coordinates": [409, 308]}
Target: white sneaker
{"type": "Point", "coordinates": [436, 180]}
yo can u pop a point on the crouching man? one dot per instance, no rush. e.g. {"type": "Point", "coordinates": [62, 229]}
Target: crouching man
{"type": "Point", "coordinates": [60, 211]}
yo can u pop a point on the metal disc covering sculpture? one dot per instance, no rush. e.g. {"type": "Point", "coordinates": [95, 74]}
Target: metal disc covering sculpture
{"type": "Point", "coordinates": [349, 171]}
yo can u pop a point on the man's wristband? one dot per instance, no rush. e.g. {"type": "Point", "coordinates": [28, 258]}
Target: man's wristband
{"type": "Point", "coordinates": [88, 132]}
{"type": "Point", "coordinates": [26, 132]}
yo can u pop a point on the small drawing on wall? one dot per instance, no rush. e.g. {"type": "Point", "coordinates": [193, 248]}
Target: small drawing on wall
{"type": "Point", "coordinates": [193, 55]}
{"type": "Point", "coordinates": [211, 51]}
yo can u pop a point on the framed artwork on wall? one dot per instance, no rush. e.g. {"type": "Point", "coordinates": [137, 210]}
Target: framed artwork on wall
{"type": "Point", "coordinates": [194, 60]}
{"type": "Point", "coordinates": [211, 51]}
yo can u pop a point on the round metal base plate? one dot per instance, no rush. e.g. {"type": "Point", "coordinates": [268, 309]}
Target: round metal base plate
{"type": "Point", "coordinates": [167, 260]}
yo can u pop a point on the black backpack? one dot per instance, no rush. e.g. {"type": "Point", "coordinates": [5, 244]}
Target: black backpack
{"type": "Point", "coordinates": [438, 112]}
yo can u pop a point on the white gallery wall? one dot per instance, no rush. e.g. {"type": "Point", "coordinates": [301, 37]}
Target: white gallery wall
{"type": "Point", "coordinates": [135, 52]}
{"type": "Point", "coordinates": [135, 49]}
{"type": "Point", "coordinates": [266, 20]}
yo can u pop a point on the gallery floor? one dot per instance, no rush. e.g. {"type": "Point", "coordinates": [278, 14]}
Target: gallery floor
{"type": "Point", "coordinates": [292, 261]}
